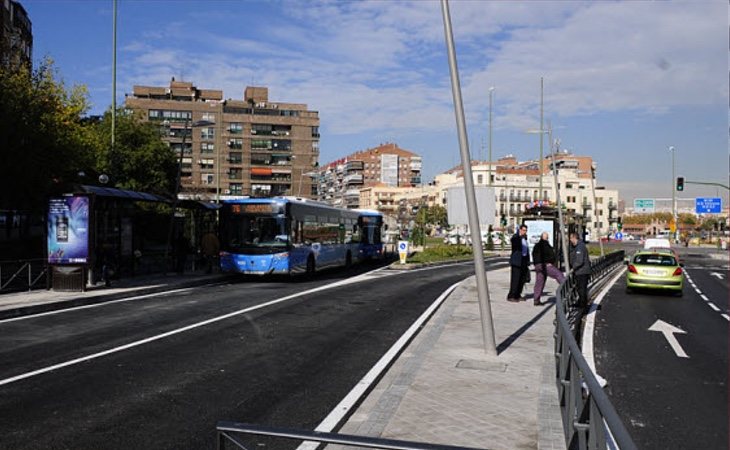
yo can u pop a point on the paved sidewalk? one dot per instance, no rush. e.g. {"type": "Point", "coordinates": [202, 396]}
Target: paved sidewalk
{"type": "Point", "coordinates": [444, 389]}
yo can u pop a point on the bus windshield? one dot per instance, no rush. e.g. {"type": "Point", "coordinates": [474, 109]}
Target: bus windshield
{"type": "Point", "coordinates": [370, 230]}
{"type": "Point", "coordinates": [256, 233]}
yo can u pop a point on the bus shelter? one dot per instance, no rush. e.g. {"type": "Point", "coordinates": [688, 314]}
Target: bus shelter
{"type": "Point", "coordinates": [97, 231]}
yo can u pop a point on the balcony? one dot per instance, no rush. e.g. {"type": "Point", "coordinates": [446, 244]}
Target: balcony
{"type": "Point", "coordinates": [587, 206]}
{"type": "Point", "coordinates": [355, 178]}
{"type": "Point", "coordinates": [612, 206]}
{"type": "Point", "coordinates": [415, 180]}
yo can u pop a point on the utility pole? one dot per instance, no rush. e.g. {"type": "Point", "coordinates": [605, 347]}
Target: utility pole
{"type": "Point", "coordinates": [491, 91]}
{"type": "Point", "coordinates": [114, 85]}
{"type": "Point", "coordinates": [542, 137]}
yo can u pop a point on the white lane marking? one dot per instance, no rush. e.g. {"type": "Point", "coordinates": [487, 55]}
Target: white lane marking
{"type": "Point", "coordinates": [726, 317]}
{"type": "Point", "coordinates": [344, 282]}
{"type": "Point", "coordinates": [349, 401]}
{"type": "Point", "coordinates": [96, 305]}
{"type": "Point", "coordinates": [668, 331]}
{"type": "Point", "coordinates": [587, 342]}
{"type": "Point", "coordinates": [179, 330]}
{"type": "Point", "coordinates": [719, 276]}
{"type": "Point", "coordinates": [713, 306]}
{"type": "Point", "coordinates": [704, 297]}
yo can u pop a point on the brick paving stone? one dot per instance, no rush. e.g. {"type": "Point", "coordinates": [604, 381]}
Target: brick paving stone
{"type": "Point", "coordinates": [444, 389]}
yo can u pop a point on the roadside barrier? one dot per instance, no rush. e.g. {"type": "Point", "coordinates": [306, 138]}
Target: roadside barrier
{"type": "Point", "coordinates": [232, 432]}
{"type": "Point", "coordinates": [589, 419]}
{"type": "Point", "coordinates": [23, 275]}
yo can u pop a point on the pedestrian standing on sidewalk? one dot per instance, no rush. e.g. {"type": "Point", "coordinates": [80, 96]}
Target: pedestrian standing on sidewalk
{"type": "Point", "coordinates": [543, 256]}
{"type": "Point", "coordinates": [519, 262]}
{"type": "Point", "coordinates": [580, 264]}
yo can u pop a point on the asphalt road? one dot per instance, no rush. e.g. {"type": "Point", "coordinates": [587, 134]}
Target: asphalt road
{"type": "Point", "coordinates": [285, 363]}
{"type": "Point", "coordinates": [669, 401]}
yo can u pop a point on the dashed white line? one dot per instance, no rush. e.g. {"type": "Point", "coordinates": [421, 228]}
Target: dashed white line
{"type": "Point", "coordinates": [704, 297]}
{"type": "Point", "coordinates": [712, 305]}
{"type": "Point", "coordinates": [726, 317]}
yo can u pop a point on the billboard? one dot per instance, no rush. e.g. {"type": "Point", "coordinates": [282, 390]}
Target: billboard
{"type": "Point", "coordinates": [68, 230]}
{"type": "Point", "coordinates": [535, 228]}
{"type": "Point", "coordinates": [389, 170]}
{"type": "Point", "coordinates": [456, 206]}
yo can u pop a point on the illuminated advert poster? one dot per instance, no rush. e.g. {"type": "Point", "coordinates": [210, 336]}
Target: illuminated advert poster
{"type": "Point", "coordinates": [68, 230]}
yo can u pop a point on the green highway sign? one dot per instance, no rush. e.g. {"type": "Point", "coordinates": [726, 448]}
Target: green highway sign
{"type": "Point", "coordinates": [644, 205]}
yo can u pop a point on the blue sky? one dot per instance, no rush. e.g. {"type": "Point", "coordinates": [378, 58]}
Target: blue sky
{"type": "Point", "coordinates": [623, 80]}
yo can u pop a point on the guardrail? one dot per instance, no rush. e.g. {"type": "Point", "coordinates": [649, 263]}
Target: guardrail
{"type": "Point", "coordinates": [23, 275]}
{"type": "Point", "coordinates": [589, 419]}
{"type": "Point", "coordinates": [230, 432]}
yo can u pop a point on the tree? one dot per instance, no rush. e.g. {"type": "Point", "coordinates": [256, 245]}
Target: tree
{"type": "Point", "coordinates": [140, 160]}
{"type": "Point", "coordinates": [43, 143]}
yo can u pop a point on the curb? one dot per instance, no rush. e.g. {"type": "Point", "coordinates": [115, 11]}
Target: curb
{"type": "Point", "coordinates": [410, 266]}
{"type": "Point", "coordinates": [103, 298]}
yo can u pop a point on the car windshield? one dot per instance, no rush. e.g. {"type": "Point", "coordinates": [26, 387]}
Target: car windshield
{"type": "Point", "coordinates": [655, 260]}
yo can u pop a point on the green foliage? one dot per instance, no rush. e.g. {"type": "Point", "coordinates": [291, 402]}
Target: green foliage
{"type": "Point", "coordinates": [490, 240]}
{"type": "Point", "coordinates": [645, 219]}
{"type": "Point", "coordinates": [43, 142]}
{"type": "Point", "coordinates": [140, 160]}
{"type": "Point", "coordinates": [441, 253]}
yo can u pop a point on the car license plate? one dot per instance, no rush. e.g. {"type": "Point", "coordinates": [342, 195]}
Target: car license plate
{"type": "Point", "coordinates": [654, 272]}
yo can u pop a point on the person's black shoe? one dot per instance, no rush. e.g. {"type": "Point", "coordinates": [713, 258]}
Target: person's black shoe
{"type": "Point", "coordinates": [513, 300]}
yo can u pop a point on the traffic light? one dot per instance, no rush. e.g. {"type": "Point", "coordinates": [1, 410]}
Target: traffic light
{"type": "Point", "coordinates": [619, 225]}
{"type": "Point", "coordinates": [503, 221]}
{"type": "Point", "coordinates": [680, 183]}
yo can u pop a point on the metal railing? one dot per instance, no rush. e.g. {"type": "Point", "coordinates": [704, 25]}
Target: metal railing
{"type": "Point", "coordinates": [23, 275]}
{"type": "Point", "coordinates": [231, 432]}
{"type": "Point", "coordinates": [589, 419]}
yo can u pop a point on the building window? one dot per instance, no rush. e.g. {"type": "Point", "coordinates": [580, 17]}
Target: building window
{"type": "Point", "coordinates": [209, 117]}
{"type": "Point", "coordinates": [207, 163]}
{"type": "Point", "coordinates": [315, 132]}
{"type": "Point", "coordinates": [281, 144]}
{"type": "Point", "coordinates": [207, 147]}
{"type": "Point", "coordinates": [235, 173]}
{"type": "Point", "coordinates": [235, 157]}
{"type": "Point", "coordinates": [235, 128]}
{"type": "Point", "coordinates": [315, 146]}
{"type": "Point", "coordinates": [171, 116]}
{"type": "Point", "coordinates": [260, 144]}
{"type": "Point", "coordinates": [207, 133]}
{"type": "Point", "coordinates": [207, 178]}
{"type": "Point", "coordinates": [177, 146]}
{"type": "Point", "coordinates": [480, 179]}
{"type": "Point", "coordinates": [236, 143]}
{"type": "Point", "coordinates": [236, 188]}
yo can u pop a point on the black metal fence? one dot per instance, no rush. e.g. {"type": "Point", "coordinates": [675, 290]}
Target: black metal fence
{"type": "Point", "coordinates": [589, 419]}
{"type": "Point", "coordinates": [233, 432]}
{"type": "Point", "coordinates": [23, 275]}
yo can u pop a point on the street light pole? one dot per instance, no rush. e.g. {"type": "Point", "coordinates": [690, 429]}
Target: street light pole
{"type": "Point", "coordinates": [491, 91]}
{"type": "Point", "coordinates": [542, 136]}
{"type": "Point", "coordinates": [471, 202]}
{"type": "Point", "coordinates": [674, 195]}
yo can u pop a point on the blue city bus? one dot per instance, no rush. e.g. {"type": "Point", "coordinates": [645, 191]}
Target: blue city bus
{"type": "Point", "coordinates": [281, 235]}
{"type": "Point", "coordinates": [370, 226]}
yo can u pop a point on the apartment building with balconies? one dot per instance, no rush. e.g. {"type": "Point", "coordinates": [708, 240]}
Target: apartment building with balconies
{"type": "Point", "coordinates": [388, 165]}
{"type": "Point", "coordinates": [16, 35]}
{"type": "Point", "coordinates": [521, 185]}
{"type": "Point", "coordinates": [249, 147]}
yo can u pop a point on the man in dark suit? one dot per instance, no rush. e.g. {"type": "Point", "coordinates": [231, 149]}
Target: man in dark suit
{"type": "Point", "coordinates": [519, 262]}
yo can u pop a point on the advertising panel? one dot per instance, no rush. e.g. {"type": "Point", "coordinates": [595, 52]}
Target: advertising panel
{"type": "Point", "coordinates": [535, 228]}
{"type": "Point", "coordinates": [68, 230]}
{"type": "Point", "coordinates": [456, 206]}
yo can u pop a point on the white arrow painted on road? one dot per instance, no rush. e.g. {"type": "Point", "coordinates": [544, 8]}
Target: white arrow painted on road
{"type": "Point", "coordinates": [668, 331]}
{"type": "Point", "coordinates": [719, 276]}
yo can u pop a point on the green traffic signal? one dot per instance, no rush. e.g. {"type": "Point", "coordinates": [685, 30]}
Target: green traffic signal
{"type": "Point", "coordinates": [680, 183]}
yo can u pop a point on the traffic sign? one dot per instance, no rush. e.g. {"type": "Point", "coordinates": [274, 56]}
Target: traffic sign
{"type": "Point", "coordinates": [644, 205]}
{"type": "Point", "coordinates": [403, 251]}
{"type": "Point", "coordinates": [619, 236]}
{"type": "Point", "coordinates": [708, 205]}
